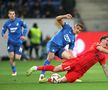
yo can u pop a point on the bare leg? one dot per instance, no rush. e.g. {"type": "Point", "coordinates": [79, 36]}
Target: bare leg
{"type": "Point", "coordinates": [12, 63]}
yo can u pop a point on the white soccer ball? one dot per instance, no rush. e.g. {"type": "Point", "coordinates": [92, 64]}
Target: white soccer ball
{"type": "Point", "coordinates": [55, 77]}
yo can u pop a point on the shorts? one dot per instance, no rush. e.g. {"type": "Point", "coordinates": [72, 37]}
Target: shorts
{"type": "Point", "coordinates": [54, 48]}
{"type": "Point", "coordinates": [69, 64]}
{"type": "Point", "coordinates": [73, 75]}
{"type": "Point", "coordinates": [17, 49]}
{"type": "Point", "coordinates": [73, 68]}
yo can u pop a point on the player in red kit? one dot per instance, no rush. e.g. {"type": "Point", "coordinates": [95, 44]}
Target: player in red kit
{"type": "Point", "coordinates": [76, 67]}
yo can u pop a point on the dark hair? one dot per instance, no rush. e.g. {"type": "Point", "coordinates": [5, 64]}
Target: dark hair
{"type": "Point", "coordinates": [35, 25]}
{"type": "Point", "coordinates": [80, 25]}
{"type": "Point", "coordinates": [103, 37]}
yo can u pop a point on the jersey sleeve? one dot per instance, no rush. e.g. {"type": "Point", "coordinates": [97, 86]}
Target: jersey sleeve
{"type": "Point", "coordinates": [66, 26]}
{"type": "Point", "coordinates": [4, 29]}
{"type": "Point", "coordinates": [103, 61]}
{"type": "Point", "coordinates": [25, 28]}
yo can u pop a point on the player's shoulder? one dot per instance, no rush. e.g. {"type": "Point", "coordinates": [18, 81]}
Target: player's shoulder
{"type": "Point", "coordinates": [19, 19]}
{"type": "Point", "coordinates": [7, 22]}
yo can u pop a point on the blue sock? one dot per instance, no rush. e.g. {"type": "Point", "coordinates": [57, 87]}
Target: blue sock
{"type": "Point", "coordinates": [13, 69]}
{"type": "Point", "coordinates": [46, 62]}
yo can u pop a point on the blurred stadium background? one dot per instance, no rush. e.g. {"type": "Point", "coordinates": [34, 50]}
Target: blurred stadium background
{"type": "Point", "coordinates": [93, 14]}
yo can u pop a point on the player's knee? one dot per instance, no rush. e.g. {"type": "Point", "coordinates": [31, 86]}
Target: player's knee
{"type": "Point", "coordinates": [69, 57]}
{"type": "Point", "coordinates": [55, 70]}
{"type": "Point", "coordinates": [50, 57]}
{"type": "Point", "coordinates": [11, 57]}
{"type": "Point", "coordinates": [17, 58]}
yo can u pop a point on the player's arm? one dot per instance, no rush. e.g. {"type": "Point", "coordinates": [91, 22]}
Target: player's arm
{"type": "Point", "coordinates": [100, 48]}
{"type": "Point", "coordinates": [24, 30]}
{"type": "Point", "coordinates": [4, 29]}
{"type": "Point", "coordinates": [60, 18]}
{"type": "Point", "coordinates": [105, 69]}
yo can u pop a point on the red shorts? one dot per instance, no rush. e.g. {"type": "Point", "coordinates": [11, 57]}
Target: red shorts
{"type": "Point", "coordinates": [69, 64]}
{"type": "Point", "coordinates": [73, 69]}
{"type": "Point", "coordinates": [72, 76]}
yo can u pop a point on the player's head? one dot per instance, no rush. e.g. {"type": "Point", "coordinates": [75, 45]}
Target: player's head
{"type": "Point", "coordinates": [11, 14]}
{"type": "Point", "coordinates": [104, 40]}
{"type": "Point", "coordinates": [78, 28]}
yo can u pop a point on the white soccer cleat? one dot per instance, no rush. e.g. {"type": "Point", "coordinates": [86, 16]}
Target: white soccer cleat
{"type": "Point", "coordinates": [41, 77]}
{"type": "Point", "coordinates": [78, 80]}
{"type": "Point", "coordinates": [29, 72]}
{"type": "Point", "coordinates": [14, 73]}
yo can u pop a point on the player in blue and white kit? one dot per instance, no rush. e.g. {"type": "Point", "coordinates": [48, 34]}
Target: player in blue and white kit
{"type": "Point", "coordinates": [15, 37]}
{"type": "Point", "coordinates": [66, 36]}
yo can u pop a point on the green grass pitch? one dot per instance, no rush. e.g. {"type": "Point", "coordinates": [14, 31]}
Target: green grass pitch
{"type": "Point", "coordinates": [94, 79]}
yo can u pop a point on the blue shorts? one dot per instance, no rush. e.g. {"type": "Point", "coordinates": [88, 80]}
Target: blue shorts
{"type": "Point", "coordinates": [17, 49]}
{"type": "Point", "coordinates": [56, 49]}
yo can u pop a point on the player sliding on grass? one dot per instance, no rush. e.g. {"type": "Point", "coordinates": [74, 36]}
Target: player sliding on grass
{"type": "Point", "coordinates": [65, 36]}
{"type": "Point", "coordinates": [76, 67]}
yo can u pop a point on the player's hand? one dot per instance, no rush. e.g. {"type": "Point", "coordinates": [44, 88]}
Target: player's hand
{"type": "Point", "coordinates": [23, 38]}
{"type": "Point", "coordinates": [68, 16]}
{"type": "Point", "coordinates": [5, 36]}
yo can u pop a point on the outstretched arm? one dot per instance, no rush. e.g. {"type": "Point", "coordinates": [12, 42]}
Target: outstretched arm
{"type": "Point", "coordinates": [4, 29]}
{"type": "Point", "coordinates": [105, 69]}
{"type": "Point", "coordinates": [60, 18]}
{"type": "Point", "coordinates": [100, 48]}
{"type": "Point", "coordinates": [24, 31]}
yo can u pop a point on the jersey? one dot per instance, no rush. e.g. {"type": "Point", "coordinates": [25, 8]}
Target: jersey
{"type": "Point", "coordinates": [64, 36]}
{"type": "Point", "coordinates": [14, 30]}
{"type": "Point", "coordinates": [78, 66]}
{"type": "Point", "coordinates": [85, 61]}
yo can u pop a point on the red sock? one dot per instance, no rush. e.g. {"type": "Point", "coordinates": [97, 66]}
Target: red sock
{"type": "Point", "coordinates": [50, 80]}
{"type": "Point", "coordinates": [46, 68]}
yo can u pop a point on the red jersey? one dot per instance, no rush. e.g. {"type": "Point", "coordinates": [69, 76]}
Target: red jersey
{"type": "Point", "coordinates": [85, 61]}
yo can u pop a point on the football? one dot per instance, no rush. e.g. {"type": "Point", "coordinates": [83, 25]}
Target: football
{"type": "Point", "coordinates": [55, 77]}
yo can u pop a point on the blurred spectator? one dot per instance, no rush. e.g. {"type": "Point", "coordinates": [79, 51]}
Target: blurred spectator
{"type": "Point", "coordinates": [37, 8]}
{"type": "Point", "coordinates": [48, 9]}
{"type": "Point", "coordinates": [69, 6]}
{"type": "Point", "coordinates": [35, 36]}
{"type": "Point", "coordinates": [43, 50]}
{"type": "Point", "coordinates": [25, 55]}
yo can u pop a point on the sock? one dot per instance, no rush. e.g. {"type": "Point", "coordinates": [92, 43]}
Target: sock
{"type": "Point", "coordinates": [50, 80]}
{"type": "Point", "coordinates": [46, 68]}
{"type": "Point", "coordinates": [46, 62]}
{"type": "Point", "coordinates": [13, 69]}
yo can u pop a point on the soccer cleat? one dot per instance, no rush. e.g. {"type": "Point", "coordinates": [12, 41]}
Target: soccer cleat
{"type": "Point", "coordinates": [14, 73]}
{"type": "Point", "coordinates": [29, 72]}
{"type": "Point", "coordinates": [43, 80]}
{"type": "Point", "coordinates": [41, 77]}
{"type": "Point", "coordinates": [78, 80]}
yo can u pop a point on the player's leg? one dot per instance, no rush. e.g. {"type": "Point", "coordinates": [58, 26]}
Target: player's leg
{"type": "Point", "coordinates": [12, 57]}
{"type": "Point", "coordinates": [50, 56]}
{"type": "Point", "coordinates": [12, 63]}
{"type": "Point", "coordinates": [30, 51]}
{"type": "Point", "coordinates": [51, 49]}
{"type": "Point", "coordinates": [67, 55]}
{"type": "Point", "coordinates": [45, 68]}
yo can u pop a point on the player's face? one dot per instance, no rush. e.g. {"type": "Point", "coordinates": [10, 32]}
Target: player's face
{"type": "Point", "coordinates": [105, 42]}
{"type": "Point", "coordinates": [11, 15]}
{"type": "Point", "coordinates": [77, 29]}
